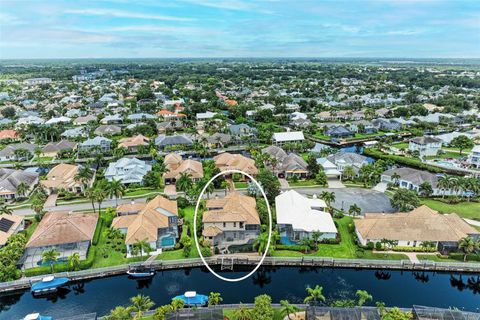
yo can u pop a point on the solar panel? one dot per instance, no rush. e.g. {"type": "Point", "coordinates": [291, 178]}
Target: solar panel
{"type": "Point", "coordinates": [5, 224]}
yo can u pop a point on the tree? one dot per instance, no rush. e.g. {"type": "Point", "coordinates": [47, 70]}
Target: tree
{"type": "Point", "coordinates": [321, 178]}
{"type": "Point", "coordinates": [84, 175]}
{"type": "Point", "coordinates": [22, 189]}
{"type": "Point", "coordinates": [177, 304]}
{"type": "Point", "coordinates": [328, 197]}
{"type": "Point", "coordinates": [468, 245]}
{"type": "Point", "coordinates": [8, 112]}
{"type": "Point", "coordinates": [287, 309]}
{"type": "Point", "coordinates": [90, 194]}
{"type": "Point", "coordinates": [315, 295]}
{"type": "Point", "coordinates": [74, 261]}
{"type": "Point", "coordinates": [50, 256]}
{"type": "Point", "coordinates": [395, 177]}
{"type": "Point", "coordinates": [116, 189]}
{"type": "Point", "coordinates": [426, 189]}
{"type": "Point", "coordinates": [214, 298]}
{"type": "Point", "coordinates": [312, 166]}
{"type": "Point", "coordinates": [405, 200]}
{"type": "Point", "coordinates": [140, 304]}
{"type": "Point", "coordinates": [5, 210]}
{"type": "Point", "coordinates": [242, 313]}
{"type": "Point", "coordinates": [397, 314]}
{"type": "Point", "coordinates": [444, 183]}
{"type": "Point", "coordinates": [119, 313]}
{"type": "Point", "coordinates": [269, 183]}
{"type": "Point", "coordinates": [261, 243]}
{"type": "Point", "coordinates": [145, 92]}
{"type": "Point", "coordinates": [142, 246]}
{"type": "Point", "coordinates": [461, 142]}
{"type": "Point", "coordinates": [263, 309]}
{"type": "Point", "coordinates": [316, 235]}
{"type": "Point", "coordinates": [160, 312]}
{"type": "Point", "coordinates": [184, 182]}
{"type": "Point", "coordinates": [363, 296]}
{"type": "Point", "coordinates": [354, 210]}
{"type": "Point", "coordinates": [306, 243]}
{"type": "Point", "coordinates": [348, 173]}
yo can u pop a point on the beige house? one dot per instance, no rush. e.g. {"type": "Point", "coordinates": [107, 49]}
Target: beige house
{"type": "Point", "coordinates": [412, 228]}
{"type": "Point", "coordinates": [176, 165]}
{"type": "Point", "coordinates": [53, 148]}
{"type": "Point", "coordinates": [231, 220]}
{"type": "Point", "coordinates": [62, 176]}
{"type": "Point", "coordinates": [9, 225]}
{"type": "Point", "coordinates": [228, 161]}
{"type": "Point", "coordinates": [132, 143]}
{"type": "Point", "coordinates": [155, 222]}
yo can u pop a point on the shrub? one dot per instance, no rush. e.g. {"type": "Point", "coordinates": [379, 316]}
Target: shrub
{"type": "Point", "coordinates": [413, 249]}
{"type": "Point", "coordinates": [378, 246]}
{"type": "Point", "coordinates": [370, 245]}
{"type": "Point", "coordinates": [416, 163]}
{"type": "Point", "coordinates": [98, 231]}
{"type": "Point", "coordinates": [182, 202]}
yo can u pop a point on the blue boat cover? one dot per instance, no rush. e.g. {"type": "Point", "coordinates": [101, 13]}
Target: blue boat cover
{"type": "Point", "coordinates": [47, 285]}
{"type": "Point", "coordinates": [197, 300]}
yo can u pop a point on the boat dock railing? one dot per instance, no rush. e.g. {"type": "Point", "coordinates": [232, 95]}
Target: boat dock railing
{"type": "Point", "coordinates": [244, 260]}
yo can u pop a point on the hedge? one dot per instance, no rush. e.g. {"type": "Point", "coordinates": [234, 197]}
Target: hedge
{"type": "Point", "coordinates": [98, 231]}
{"type": "Point", "coordinates": [413, 249]}
{"type": "Point", "coordinates": [402, 160]}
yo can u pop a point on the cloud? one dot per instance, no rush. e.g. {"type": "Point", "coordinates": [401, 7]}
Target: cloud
{"type": "Point", "coordinates": [7, 19]}
{"type": "Point", "coordinates": [125, 14]}
{"type": "Point", "coordinates": [405, 32]}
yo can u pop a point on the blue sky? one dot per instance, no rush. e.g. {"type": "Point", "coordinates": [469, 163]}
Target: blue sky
{"type": "Point", "coordinates": [239, 28]}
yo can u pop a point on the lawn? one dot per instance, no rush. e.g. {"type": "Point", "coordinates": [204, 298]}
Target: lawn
{"type": "Point", "coordinates": [401, 145]}
{"type": "Point", "coordinates": [302, 183]}
{"type": "Point", "coordinates": [31, 228]}
{"type": "Point", "coordinates": [321, 136]}
{"type": "Point", "coordinates": [142, 191]}
{"type": "Point", "coordinates": [241, 185]}
{"type": "Point", "coordinates": [229, 313]}
{"type": "Point", "coordinates": [345, 249]}
{"type": "Point", "coordinates": [470, 210]}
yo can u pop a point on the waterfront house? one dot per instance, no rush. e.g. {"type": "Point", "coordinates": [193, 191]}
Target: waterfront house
{"type": "Point", "coordinates": [163, 141]}
{"type": "Point", "coordinates": [11, 153]}
{"type": "Point", "coordinates": [229, 161]}
{"type": "Point", "coordinates": [155, 222]}
{"type": "Point", "coordinates": [74, 133]}
{"type": "Point", "coordinates": [98, 143]}
{"type": "Point", "coordinates": [232, 220]}
{"type": "Point", "coordinates": [10, 180]}
{"type": "Point", "coordinates": [386, 124]}
{"type": "Point", "coordinates": [241, 130]}
{"type": "Point", "coordinates": [348, 159]}
{"type": "Point", "coordinates": [426, 146]}
{"type": "Point", "coordinates": [339, 132]}
{"type": "Point", "coordinates": [175, 166]}
{"type": "Point", "coordinates": [412, 228]}
{"type": "Point", "coordinates": [330, 169]}
{"type": "Point", "coordinates": [217, 140]}
{"type": "Point", "coordinates": [280, 138]}
{"type": "Point", "coordinates": [286, 165]}
{"type": "Point", "coordinates": [298, 217]}
{"type": "Point", "coordinates": [67, 232]}
{"type": "Point", "coordinates": [132, 143]}
{"type": "Point", "coordinates": [53, 148]}
{"type": "Point", "coordinates": [62, 176]}
{"type": "Point", "coordinates": [10, 224]}
{"type": "Point", "coordinates": [127, 170]}
{"type": "Point", "coordinates": [474, 157]}
{"type": "Point", "coordinates": [139, 117]}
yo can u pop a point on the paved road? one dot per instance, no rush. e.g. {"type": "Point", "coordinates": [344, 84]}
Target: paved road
{"type": "Point", "coordinates": [368, 200]}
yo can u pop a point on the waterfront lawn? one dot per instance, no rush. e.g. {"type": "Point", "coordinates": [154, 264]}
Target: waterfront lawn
{"type": "Point", "coordinates": [346, 249]}
{"type": "Point", "coordinates": [469, 210]}
{"type": "Point", "coordinates": [230, 314]}
{"type": "Point", "coordinates": [454, 257]}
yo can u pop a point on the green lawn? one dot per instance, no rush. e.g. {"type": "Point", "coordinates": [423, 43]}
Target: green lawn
{"type": "Point", "coordinates": [141, 192]}
{"type": "Point", "coordinates": [321, 136]}
{"type": "Point", "coordinates": [447, 155]}
{"type": "Point", "coordinates": [229, 313]}
{"type": "Point", "coordinates": [31, 228]}
{"type": "Point", "coordinates": [345, 249]}
{"type": "Point", "coordinates": [241, 185]}
{"type": "Point", "coordinates": [302, 183]}
{"type": "Point", "coordinates": [401, 145]}
{"type": "Point", "coordinates": [470, 210]}
{"type": "Point", "coordinates": [456, 258]}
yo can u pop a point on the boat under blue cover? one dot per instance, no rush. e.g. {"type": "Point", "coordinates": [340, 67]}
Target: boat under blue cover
{"type": "Point", "coordinates": [192, 299]}
{"type": "Point", "coordinates": [37, 316]}
{"type": "Point", "coordinates": [48, 284]}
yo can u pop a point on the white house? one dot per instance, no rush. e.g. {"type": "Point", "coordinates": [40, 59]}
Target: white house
{"type": "Point", "coordinates": [331, 170]}
{"type": "Point", "coordinates": [474, 156]}
{"type": "Point", "coordinates": [127, 170]}
{"type": "Point", "coordinates": [426, 146]}
{"type": "Point", "coordinates": [289, 136]}
{"type": "Point", "coordinates": [205, 115]}
{"type": "Point", "coordinates": [298, 217]}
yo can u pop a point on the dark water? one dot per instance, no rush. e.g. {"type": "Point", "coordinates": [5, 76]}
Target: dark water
{"type": "Point", "coordinates": [395, 288]}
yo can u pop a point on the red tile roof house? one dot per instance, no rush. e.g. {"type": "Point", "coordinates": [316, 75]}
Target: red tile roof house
{"type": "Point", "coordinates": [8, 135]}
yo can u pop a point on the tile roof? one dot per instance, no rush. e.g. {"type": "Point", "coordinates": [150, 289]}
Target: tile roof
{"type": "Point", "coordinates": [234, 207]}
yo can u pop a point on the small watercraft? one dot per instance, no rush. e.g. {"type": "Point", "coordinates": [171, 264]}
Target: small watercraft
{"type": "Point", "coordinates": [36, 316]}
{"type": "Point", "coordinates": [192, 299]}
{"type": "Point", "coordinates": [48, 285]}
{"type": "Point", "coordinates": [141, 272]}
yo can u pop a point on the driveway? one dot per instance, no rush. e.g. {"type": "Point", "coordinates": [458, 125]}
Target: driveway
{"type": "Point", "coordinates": [335, 184]}
{"type": "Point", "coordinates": [283, 183]}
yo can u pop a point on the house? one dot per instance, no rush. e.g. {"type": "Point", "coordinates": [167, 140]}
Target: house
{"type": "Point", "coordinates": [412, 179]}
{"type": "Point", "coordinates": [10, 224]}
{"type": "Point", "coordinates": [175, 166]}
{"type": "Point", "coordinates": [412, 228]}
{"type": "Point", "coordinates": [426, 146]}
{"type": "Point", "coordinates": [205, 115]}
{"type": "Point", "coordinates": [139, 117]}
{"type": "Point", "coordinates": [58, 120]}
{"type": "Point", "coordinates": [25, 121]}
{"type": "Point", "coordinates": [386, 124]}
{"type": "Point", "coordinates": [339, 132]}
{"type": "Point", "coordinates": [67, 232]}
{"type": "Point", "coordinates": [163, 141]}
{"type": "Point", "coordinates": [285, 137]}
{"type": "Point", "coordinates": [319, 147]}
{"type": "Point", "coordinates": [132, 143]}
{"type": "Point", "coordinates": [155, 222]}
{"type": "Point", "coordinates": [74, 133]}
{"type": "Point", "coordinates": [228, 161]}
{"type": "Point", "coordinates": [62, 176]}
{"type": "Point", "coordinates": [8, 135]}
{"type": "Point", "coordinates": [127, 170]}
{"type": "Point", "coordinates": [10, 180]}
{"type": "Point", "coordinates": [231, 220]}
{"type": "Point", "coordinates": [108, 130]}
{"type": "Point", "coordinates": [217, 140]}
{"type": "Point", "coordinates": [100, 143]}
{"type": "Point", "coordinates": [241, 130]}
{"type": "Point", "coordinates": [348, 159]}
{"type": "Point", "coordinates": [474, 156]}
{"type": "Point", "coordinates": [298, 217]}
{"type": "Point", "coordinates": [162, 127]}
{"type": "Point", "coordinates": [363, 126]}
{"type": "Point", "coordinates": [80, 121]}
{"type": "Point", "coordinates": [11, 153]}
{"type": "Point", "coordinates": [329, 168]}
{"type": "Point", "coordinates": [37, 81]}
{"type": "Point", "coordinates": [112, 119]}
{"type": "Point", "coordinates": [286, 165]}
{"type": "Point", "coordinates": [53, 148]}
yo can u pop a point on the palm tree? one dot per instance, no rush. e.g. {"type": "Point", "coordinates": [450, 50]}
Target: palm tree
{"type": "Point", "coordinates": [50, 256]}
{"type": "Point", "coordinates": [363, 296]}
{"type": "Point", "coordinates": [214, 298]}
{"type": "Point", "coordinates": [348, 173]}
{"type": "Point", "coordinates": [444, 183]}
{"type": "Point", "coordinates": [242, 313]}
{"type": "Point", "coordinates": [90, 194]}
{"type": "Point", "coordinates": [141, 303]}
{"type": "Point", "coordinates": [177, 304]}
{"type": "Point", "coordinates": [426, 189]}
{"type": "Point", "coordinates": [261, 243]}
{"type": "Point", "coordinates": [142, 246]}
{"type": "Point", "coordinates": [306, 243]}
{"type": "Point", "coordinates": [115, 189]}
{"type": "Point", "coordinates": [5, 210]}
{"type": "Point", "coordinates": [74, 260]}
{"type": "Point", "coordinates": [316, 235]}
{"type": "Point", "coordinates": [287, 309]}
{"type": "Point", "coordinates": [84, 175]}
{"type": "Point", "coordinates": [328, 197]}
{"type": "Point", "coordinates": [395, 177]}
{"type": "Point", "coordinates": [119, 313]}
{"type": "Point", "coordinates": [22, 189]}
{"type": "Point", "coordinates": [354, 210]}
{"type": "Point", "coordinates": [99, 194]}
{"type": "Point", "coordinates": [468, 245]}
{"type": "Point", "coordinates": [315, 295]}
{"type": "Point", "coordinates": [184, 182]}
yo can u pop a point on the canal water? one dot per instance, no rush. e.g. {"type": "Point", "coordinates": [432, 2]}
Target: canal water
{"type": "Point", "coordinates": [395, 288]}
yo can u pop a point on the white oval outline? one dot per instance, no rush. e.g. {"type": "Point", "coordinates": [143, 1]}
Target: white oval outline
{"type": "Point", "coordinates": [269, 225]}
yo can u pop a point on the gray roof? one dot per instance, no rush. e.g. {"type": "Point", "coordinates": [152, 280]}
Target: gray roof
{"type": "Point", "coordinates": [285, 162]}
{"type": "Point", "coordinates": [96, 142]}
{"type": "Point", "coordinates": [416, 177]}
{"type": "Point", "coordinates": [10, 149]}
{"type": "Point", "coordinates": [108, 129]}
{"type": "Point", "coordinates": [10, 179]}
{"type": "Point", "coordinates": [163, 140]}
{"type": "Point", "coordinates": [425, 140]}
{"type": "Point", "coordinates": [239, 129]}
{"type": "Point", "coordinates": [60, 145]}
{"type": "Point", "coordinates": [350, 158]}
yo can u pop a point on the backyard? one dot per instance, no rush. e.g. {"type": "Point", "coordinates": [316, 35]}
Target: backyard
{"type": "Point", "coordinates": [469, 210]}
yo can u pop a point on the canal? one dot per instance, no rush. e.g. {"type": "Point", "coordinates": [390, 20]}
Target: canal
{"type": "Point", "coordinates": [395, 288]}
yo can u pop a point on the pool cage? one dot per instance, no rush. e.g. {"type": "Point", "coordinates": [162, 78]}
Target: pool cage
{"type": "Point", "coordinates": [33, 257]}
{"type": "Point", "coordinates": [200, 314]}
{"type": "Point", "coordinates": [431, 313]}
{"type": "Point", "coordinates": [328, 313]}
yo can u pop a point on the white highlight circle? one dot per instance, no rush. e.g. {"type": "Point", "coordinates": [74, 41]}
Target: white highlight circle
{"type": "Point", "coordinates": [269, 226]}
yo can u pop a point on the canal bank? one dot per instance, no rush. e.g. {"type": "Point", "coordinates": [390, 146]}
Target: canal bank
{"type": "Point", "coordinates": [393, 287]}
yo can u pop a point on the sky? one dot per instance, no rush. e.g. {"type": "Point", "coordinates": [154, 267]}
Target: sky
{"type": "Point", "coordinates": [239, 28]}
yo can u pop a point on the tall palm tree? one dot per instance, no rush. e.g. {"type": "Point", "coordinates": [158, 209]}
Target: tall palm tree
{"type": "Point", "coordinates": [261, 242]}
{"type": "Point", "coordinates": [141, 303]}
{"type": "Point", "coordinates": [444, 183]}
{"type": "Point", "coordinates": [50, 256]}
{"type": "Point", "coordinates": [22, 189]}
{"type": "Point", "coordinates": [315, 295]}
{"type": "Point", "coordinates": [468, 245]}
{"type": "Point", "coordinates": [328, 197]}
{"type": "Point", "coordinates": [84, 175]}
{"type": "Point", "coordinates": [287, 309]}
{"type": "Point", "coordinates": [142, 246]}
{"type": "Point", "coordinates": [354, 210]}
{"type": "Point", "coordinates": [90, 194]}
{"type": "Point", "coordinates": [184, 182]}
{"type": "Point", "coordinates": [116, 189]}
{"type": "Point", "coordinates": [74, 260]}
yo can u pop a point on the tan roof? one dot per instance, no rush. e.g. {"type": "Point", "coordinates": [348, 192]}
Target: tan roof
{"type": "Point", "coordinates": [139, 140]}
{"type": "Point", "coordinates": [63, 227]}
{"type": "Point", "coordinates": [211, 231]}
{"type": "Point", "coordinates": [16, 219]}
{"type": "Point", "coordinates": [227, 161]}
{"type": "Point", "coordinates": [234, 207]}
{"type": "Point", "coordinates": [132, 207]}
{"type": "Point", "coordinates": [62, 176]}
{"type": "Point", "coordinates": [192, 167]}
{"type": "Point", "coordinates": [420, 224]}
{"type": "Point", "coordinates": [172, 160]}
{"type": "Point", "coordinates": [145, 224]}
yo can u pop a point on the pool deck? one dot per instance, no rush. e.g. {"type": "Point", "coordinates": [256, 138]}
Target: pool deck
{"type": "Point", "coordinates": [249, 260]}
